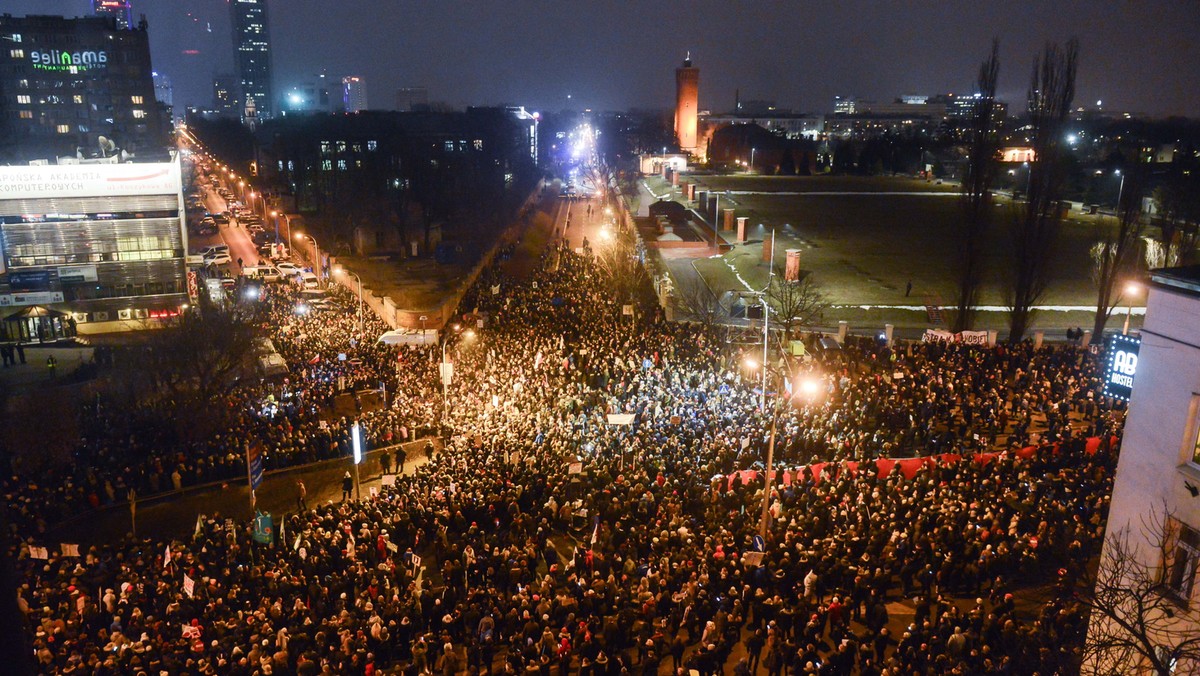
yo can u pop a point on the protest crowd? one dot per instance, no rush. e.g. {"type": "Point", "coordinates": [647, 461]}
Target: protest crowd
{"type": "Point", "coordinates": [546, 540]}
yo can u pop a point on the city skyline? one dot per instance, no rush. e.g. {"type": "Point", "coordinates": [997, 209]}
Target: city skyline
{"type": "Point", "coordinates": [538, 56]}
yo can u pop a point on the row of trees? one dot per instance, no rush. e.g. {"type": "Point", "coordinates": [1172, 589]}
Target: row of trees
{"type": "Point", "coordinates": [1033, 227]}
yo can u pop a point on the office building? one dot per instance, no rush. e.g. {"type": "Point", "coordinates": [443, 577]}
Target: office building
{"type": "Point", "coordinates": [1154, 514]}
{"type": "Point", "coordinates": [98, 246]}
{"type": "Point", "coordinates": [354, 93]}
{"type": "Point", "coordinates": [225, 95]}
{"type": "Point", "coordinates": [687, 95]}
{"type": "Point", "coordinates": [252, 57]}
{"type": "Point", "coordinates": [121, 10]}
{"type": "Point", "coordinates": [78, 88]}
{"type": "Point", "coordinates": [163, 90]}
{"type": "Point", "coordinates": [412, 98]}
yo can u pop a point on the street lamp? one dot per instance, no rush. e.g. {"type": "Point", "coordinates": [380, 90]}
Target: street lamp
{"type": "Point", "coordinates": [316, 254]}
{"type": "Point", "coordinates": [339, 270]}
{"type": "Point", "coordinates": [1120, 191]}
{"type": "Point", "coordinates": [1131, 289]}
{"type": "Point", "coordinates": [751, 167]}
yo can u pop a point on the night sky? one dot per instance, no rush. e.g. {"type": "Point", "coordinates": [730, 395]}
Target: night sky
{"type": "Point", "coordinates": [618, 54]}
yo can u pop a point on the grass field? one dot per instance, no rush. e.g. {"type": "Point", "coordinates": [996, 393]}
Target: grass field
{"type": "Point", "coordinates": [863, 248]}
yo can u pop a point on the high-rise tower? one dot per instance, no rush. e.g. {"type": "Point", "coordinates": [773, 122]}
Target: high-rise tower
{"type": "Point", "coordinates": [118, 9]}
{"type": "Point", "coordinates": [687, 95]}
{"type": "Point", "coordinates": [354, 93]}
{"type": "Point", "coordinates": [252, 55]}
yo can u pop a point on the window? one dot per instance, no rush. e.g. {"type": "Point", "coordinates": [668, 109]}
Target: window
{"type": "Point", "coordinates": [26, 114]}
{"type": "Point", "coordinates": [1180, 569]}
{"type": "Point", "coordinates": [17, 53]}
{"type": "Point", "coordinates": [372, 145]}
{"type": "Point", "coordinates": [78, 98]}
{"type": "Point", "coordinates": [136, 100]}
{"type": "Point", "coordinates": [138, 113]}
{"type": "Point", "coordinates": [23, 84]}
{"type": "Point", "coordinates": [64, 129]}
{"type": "Point", "coordinates": [341, 165]}
{"type": "Point", "coordinates": [478, 144]}
{"type": "Point", "coordinates": [22, 98]}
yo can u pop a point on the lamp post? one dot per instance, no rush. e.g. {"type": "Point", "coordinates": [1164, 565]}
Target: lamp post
{"type": "Point", "coordinates": [809, 388]}
{"type": "Point", "coordinates": [316, 253]}
{"type": "Point", "coordinates": [752, 149]}
{"type": "Point", "coordinates": [1120, 191]}
{"type": "Point", "coordinates": [1130, 289]}
{"type": "Point", "coordinates": [339, 270]}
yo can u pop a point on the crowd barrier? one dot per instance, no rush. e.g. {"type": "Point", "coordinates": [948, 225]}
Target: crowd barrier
{"type": "Point", "coordinates": [908, 467]}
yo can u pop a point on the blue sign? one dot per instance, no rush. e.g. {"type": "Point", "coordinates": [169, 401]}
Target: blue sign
{"type": "Point", "coordinates": [1121, 366]}
{"type": "Point", "coordinates": [759, 545]}
{"type": "Point", "coordinates": [256, 467]}
{"type": "Point", "coordinates": [38, 280]}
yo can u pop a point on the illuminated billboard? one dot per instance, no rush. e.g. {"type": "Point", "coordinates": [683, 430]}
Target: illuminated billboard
{"type": "Point", "coordinates": [1121, 366]}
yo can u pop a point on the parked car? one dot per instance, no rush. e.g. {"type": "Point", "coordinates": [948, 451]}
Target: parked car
{"type": "Point", "coordinates": [215, 248]}
{"type": "Point", "coordinates": [309, 280]}
{"type": "Point", "coordinates": [266, 273]}
{"type": "Point", "coordinates": [218, 259]}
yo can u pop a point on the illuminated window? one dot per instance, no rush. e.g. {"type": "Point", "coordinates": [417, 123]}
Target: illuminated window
{"type": "Point", "coordinates": [449, 146]}
{"type": "Point", "coordinates": [136, 100]}
{"type": "Point", "coordinates": [371, 145]}
{"type": "Point", "coordinates": [64, 129]}
{"type": "Point", "coordinates": [22, 98]}
{"type": "Point", "coordinates": [16, 37]}
{"type": "Point", "coordinates": [478, 144]}
{"type": "Point", "coordinates": [326, 165]}
{"type": "Point", "coordinates": [78, 98]}
{"type": "Point", "coordinates": [23, 84]}
{"type": "Point", "coordinates": [26, 114]}
{"type": "Point", "coordinates": [341, 165]}
{"type": "Point", "coordinates": [17, 53]}
{"type": "Point", "coordinates": [139, 114]}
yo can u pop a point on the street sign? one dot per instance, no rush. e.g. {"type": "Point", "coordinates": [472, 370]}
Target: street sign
{"type": "Point", "coordinates": [256, 466]}
{"type": "Point", "coordinates": [447, 372]}
{"type": "Point", "coordinates": [758, 543]}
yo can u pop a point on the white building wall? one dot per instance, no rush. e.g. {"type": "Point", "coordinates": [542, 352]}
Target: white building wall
{"type": "Point", "coordinates": [1160, 434]}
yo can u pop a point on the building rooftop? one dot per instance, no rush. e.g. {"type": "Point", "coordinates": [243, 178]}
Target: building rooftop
{"type": "Point", "coordinates": [1185, 278]}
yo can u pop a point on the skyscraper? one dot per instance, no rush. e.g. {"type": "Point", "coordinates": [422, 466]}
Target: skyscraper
{"type": "Point", "coordinates": [354, 93]}
{"type": "Point", "coordinates": [687, 95]}
{"type": "Point", "coordinates": [252, 56]}
{"type": "Point", "coordinates": [121, 10]}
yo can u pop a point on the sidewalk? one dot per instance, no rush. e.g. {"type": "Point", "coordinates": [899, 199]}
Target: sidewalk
{"type": "Point", "coordinates": [34, 371]}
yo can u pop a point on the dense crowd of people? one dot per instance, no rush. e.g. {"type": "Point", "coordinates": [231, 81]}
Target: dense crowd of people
{"type": "Point", "coordinates": [548, 537]}
{"type": "Point", "coordinates": [138, 447]}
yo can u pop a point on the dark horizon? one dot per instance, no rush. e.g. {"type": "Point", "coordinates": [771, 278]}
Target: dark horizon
{"type": "Point", "coordinates": [605, 56]}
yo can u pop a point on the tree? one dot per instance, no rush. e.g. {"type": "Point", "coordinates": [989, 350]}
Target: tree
{"type": "Point", "coordinates": [1178, 203]}
{"type": "Point", "coordinates": [1035, 230]}
{"type": "Point", "coordinates": [977, 191]}
{"type": "Point", "coordinates": [187, 368]}
{"type": "Point", "coordinates": [1115, 257]}
{"type": "Point", "coordinates": [795, 303]}
{"type": "Point", "coordinates": [693, 298]}
{"type": "Point", "coordinates": [1134, 621]}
